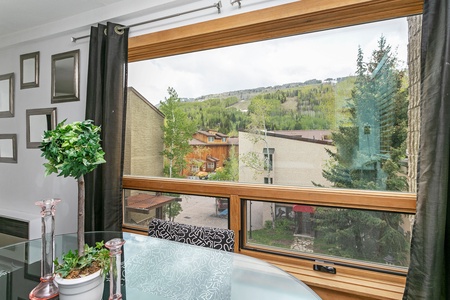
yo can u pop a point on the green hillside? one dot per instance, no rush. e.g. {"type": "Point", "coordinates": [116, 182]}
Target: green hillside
{"type": "Point", "coordinates": [309, 105]}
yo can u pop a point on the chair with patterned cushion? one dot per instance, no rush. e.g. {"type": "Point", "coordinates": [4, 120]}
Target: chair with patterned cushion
{"type": "Point", "coordinates": [216, 238]}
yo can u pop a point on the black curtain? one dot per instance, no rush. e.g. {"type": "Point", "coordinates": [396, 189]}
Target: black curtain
{"type": "Point", "coordinates": [428, 275]}
{"type": "Point", "coordinates": [106, 106]}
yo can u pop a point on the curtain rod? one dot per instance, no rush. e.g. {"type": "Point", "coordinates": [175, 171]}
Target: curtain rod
{"type": "Point", "coordinates": [217, 5]}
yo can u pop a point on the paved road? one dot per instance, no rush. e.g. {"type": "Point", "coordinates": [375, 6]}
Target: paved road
{"type": "Point", "coordinates": [200, 211]}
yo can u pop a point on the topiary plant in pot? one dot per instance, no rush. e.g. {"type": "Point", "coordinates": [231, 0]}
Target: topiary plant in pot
{"type": "Point", "coordinates": [73, 150]}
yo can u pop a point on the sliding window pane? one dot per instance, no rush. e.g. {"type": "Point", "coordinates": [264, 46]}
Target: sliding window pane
{"type": "Point", "coordinates": [331, 233]}
{"type": "Point", "coordinates": [142, 206]}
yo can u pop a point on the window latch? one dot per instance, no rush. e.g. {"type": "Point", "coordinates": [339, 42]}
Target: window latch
{"type": "Point", "coordinates": [326, 269]}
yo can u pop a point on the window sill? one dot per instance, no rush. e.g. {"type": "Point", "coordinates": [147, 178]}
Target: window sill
{"type": "Point", "coordinates": [348, 283]}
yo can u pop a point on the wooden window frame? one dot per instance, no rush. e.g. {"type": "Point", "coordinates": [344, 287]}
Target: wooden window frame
{"type": "Point", "coordinates": [349, 282]}
{"type": "Point", "coordinates": [280, 21]}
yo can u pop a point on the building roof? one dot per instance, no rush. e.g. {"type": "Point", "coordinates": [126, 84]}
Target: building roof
{"type": "Point", "coordinates": [212, 133]}
{"type": "Point", "coordinates": [216, 135]}
{"type": "Point", "coordinates": [234, 141]}
{"type": "Point", "coordinates": [132, 90]}
{"type": "Point", "coordinates": [311, 136]}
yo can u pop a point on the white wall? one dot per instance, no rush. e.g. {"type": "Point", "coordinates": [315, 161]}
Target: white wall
{"type": "Point", "coordinates": [24, 183]}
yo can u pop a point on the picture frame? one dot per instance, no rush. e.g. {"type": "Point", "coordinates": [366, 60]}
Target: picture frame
{"type": "Point", "coordinates": [38, 121]}
{"type": "Point", "coordinates": [7, 95]}
{"type": "Point", "coordinates": [65, 77]}
{"type": "Point", "coordinates": [8, 148]}
{"type": "Point", "coordinates": [29, 70]}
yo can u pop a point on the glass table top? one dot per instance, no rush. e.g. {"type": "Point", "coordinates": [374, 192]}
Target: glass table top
{"type": "Point", "coordinates": [159, 269]}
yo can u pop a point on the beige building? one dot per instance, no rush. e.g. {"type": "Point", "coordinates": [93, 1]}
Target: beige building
{"type": "Point", "coordinates": [297, 157]}
{"type": "Point", "coordinates": [293, 158]}
{"type": "Point", "coordinates": [143, 131]}
{"type": "Point", "coordinates": [143, 157]}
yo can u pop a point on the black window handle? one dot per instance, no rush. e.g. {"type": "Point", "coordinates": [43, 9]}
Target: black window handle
{"type": "Point", "coordinates": [326, 269]}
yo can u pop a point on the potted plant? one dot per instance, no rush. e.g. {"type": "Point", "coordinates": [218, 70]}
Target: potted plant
{"type": "Point", "coordinates": [73, 150]}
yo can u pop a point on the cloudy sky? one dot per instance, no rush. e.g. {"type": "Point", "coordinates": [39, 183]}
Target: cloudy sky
{"type": "Point", "coordinates": [320, 55]}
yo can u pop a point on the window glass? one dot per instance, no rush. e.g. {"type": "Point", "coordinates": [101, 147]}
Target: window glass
{"type": "Point", "coordinates": [325, 109]}
{"type": "Point", "coordinates": [142, 206]}
{"type": "Point", "coordinates": [369, 236]}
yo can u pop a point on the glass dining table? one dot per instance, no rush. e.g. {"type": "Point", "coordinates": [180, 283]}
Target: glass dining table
{"type": "Point", "coordinates": [159, 269]}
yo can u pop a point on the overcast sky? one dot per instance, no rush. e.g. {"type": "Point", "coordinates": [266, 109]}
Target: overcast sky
{"type": "Point", "coordinates": [319, 55]}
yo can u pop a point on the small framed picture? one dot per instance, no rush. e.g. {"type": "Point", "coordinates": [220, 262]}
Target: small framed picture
{"type": "Point", "coordinates": [29, 70]}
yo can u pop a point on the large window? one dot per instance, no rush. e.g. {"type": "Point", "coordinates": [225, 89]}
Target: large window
{"type": "Point", "coordinates": [334, 106]}
{"type": "Point", "coordinates": [336, 113]}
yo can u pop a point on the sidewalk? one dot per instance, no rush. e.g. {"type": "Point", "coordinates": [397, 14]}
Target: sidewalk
{"type": "Point", "coordinates": [200, 211]}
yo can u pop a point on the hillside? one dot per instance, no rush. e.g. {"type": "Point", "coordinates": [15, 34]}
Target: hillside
{"type": "Point", "coordinates": [303, 105]}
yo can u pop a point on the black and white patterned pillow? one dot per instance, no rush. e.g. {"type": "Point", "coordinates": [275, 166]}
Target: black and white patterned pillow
{"type": "Point", "coordinates": [216, 238]}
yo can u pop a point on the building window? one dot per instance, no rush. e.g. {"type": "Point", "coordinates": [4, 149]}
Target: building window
{"type": "Point", "coordinates": [194, 169]}
{"type": "Point", "coordinates": [210, 166]}
{"type": "Point", "coordinates": [210, 139]}
{"type": "Point", "coordinates": [268, 158]}
{"type": "Point", "coordinates": [268, 180]}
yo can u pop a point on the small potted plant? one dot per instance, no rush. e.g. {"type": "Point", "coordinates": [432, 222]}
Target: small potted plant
{"type": "Point", "coordinates": [73, 150]}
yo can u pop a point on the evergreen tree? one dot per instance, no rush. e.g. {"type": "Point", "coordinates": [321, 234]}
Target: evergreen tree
{"type": "Point", "coordinates": [178, 130]}
{"type": "Point", "coordinates": [369, 148]}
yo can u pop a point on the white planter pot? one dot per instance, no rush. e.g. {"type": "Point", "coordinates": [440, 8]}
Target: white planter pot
{"type": "Point", "coordinates": [89, 287]}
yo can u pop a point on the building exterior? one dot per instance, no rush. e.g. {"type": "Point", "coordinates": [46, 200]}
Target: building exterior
{"type": "Point", "coordinates": [210, 149]}
{"type": "Point", "coordinates": [142, 153]}
{"type": "Point", "coordinates": [294, 158]}
{"type": "Point", "coordinates": [143, 130]}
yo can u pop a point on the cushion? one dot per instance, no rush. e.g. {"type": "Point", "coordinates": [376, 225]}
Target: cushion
{"type": "Point", "coordinates": [215, 238]}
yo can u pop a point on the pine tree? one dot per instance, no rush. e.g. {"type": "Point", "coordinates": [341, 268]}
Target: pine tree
{"type": "Point", "coordinates": [369, 148]}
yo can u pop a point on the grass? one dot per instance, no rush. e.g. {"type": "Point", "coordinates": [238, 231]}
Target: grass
{"type": "Point", "coordinates": [281, 236]}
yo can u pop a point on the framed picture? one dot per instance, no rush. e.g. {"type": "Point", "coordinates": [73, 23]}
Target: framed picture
{"type": "Point", "coordinates": [7, 95]}
{"type": "Point", "coordinates": [8, 148]}
{"type": "Point", "coordinates": [38, 121]}
{"type": "Point", "coordinates": [29, 70]}
{"type": "Point", "coordinates": [66, 77]}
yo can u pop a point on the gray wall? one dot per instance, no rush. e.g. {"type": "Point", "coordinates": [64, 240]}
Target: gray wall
{"type": "Point", "coordinates": [24, 183]}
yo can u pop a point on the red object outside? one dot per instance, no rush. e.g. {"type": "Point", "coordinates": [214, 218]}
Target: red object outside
{"type": "Point", "coordinates": [304, 208]}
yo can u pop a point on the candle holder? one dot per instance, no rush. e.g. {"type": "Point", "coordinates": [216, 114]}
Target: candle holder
{"type": "Point", "coordinates": [115, 251]}
{"type": "Point", "coordinates": [47, 288]}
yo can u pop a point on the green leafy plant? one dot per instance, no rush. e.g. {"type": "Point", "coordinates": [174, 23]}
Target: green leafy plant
{"type": "Point", "coordinates": [73, 150]}
{"type": "Point", "coordinates": [75, 266]}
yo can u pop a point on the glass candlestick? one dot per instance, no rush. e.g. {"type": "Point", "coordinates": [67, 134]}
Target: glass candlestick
{"type": "Point", "coordinates": [47, 289]}
{"type": "Point", "coordinates": [115, 251]}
